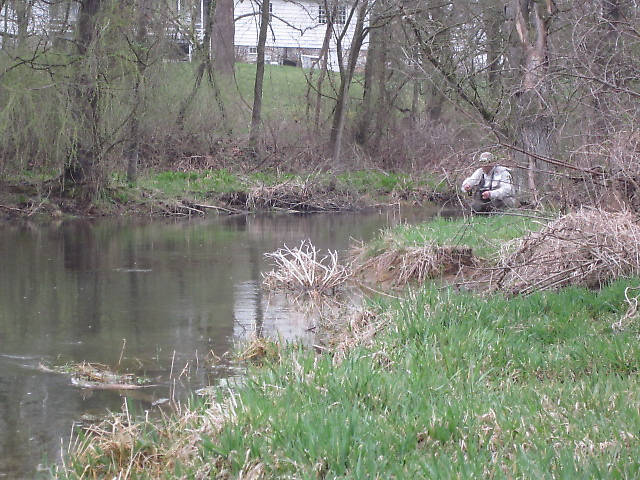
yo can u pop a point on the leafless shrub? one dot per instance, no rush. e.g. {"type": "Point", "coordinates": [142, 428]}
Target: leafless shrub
{"type": "Point", "coordinates": [590, 247]}
{"type": "Point", "coordinates": [402, 265]}
{"type": "Point", "coordinates": [302, 269]}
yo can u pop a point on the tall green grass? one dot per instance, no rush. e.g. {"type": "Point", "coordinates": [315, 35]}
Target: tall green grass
{"type": "Point", "coordinates": [458, 387]}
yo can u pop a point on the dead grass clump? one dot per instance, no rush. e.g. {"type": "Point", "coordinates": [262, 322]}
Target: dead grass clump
{"type": "Point", "coordinates": [258, 350]}
{"type": "Point", "coordinates": [589, 248]}
{"type": "Point", "coordinates": [97, 376]}
{"type": "Point", "coordinates": [301, 269]}
{"type": "Point", "coordinates": [362, 328]}
{"type": "Point", "coordinates": [405, 264]}
{"type": "Point", "coordinates": [298, 196]}
{"type": "Point", "coordinates": [123, 447]}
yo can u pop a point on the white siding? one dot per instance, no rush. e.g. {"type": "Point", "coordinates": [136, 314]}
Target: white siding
{"type": "Point", "coordinates": [294, 25]}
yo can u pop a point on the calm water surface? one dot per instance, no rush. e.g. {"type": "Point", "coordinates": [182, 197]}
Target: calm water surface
{"type": "Point", "coordinates": [156, 296]}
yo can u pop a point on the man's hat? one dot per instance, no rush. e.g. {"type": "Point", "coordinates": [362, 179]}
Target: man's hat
{"type": "Point", "coordinates": [486, 158]}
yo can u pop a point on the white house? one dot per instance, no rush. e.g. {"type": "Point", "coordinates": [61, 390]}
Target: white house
{"type": "Point", "coordinates": [296, 27]}
{"type": "Point", "coordinates": [296, 31]}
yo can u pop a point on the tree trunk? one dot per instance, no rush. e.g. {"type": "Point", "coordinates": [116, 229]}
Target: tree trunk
{"type": "Point", "coordinates": [22, 10]}
{"type": "Point", "coordinates": [606, 65]}
{"type": "Point", "coordinates": [346, 75]}
{"type": "Point", "coordinates": [371, 67]}
{"type": "Point", "coordinates": [205, 65]}
{"type": "Point", "coordinates": [532, 123]}
{"type": "Point", "coordinates": [222, 38]}
{"type": "Point", "coordinates": [324, 58]}
{"type": "Point", "coordinates": [320, 64]}
{"type": "Point", "coordinates": [133, 152]}
{"type": "Point", "coordinates": [493, 19]}
{"type": "Point", "coordinates": [441, 45]}
{"type": "Point", "coordinates": [256, 112]}
{"type": "Point", "coordinates": [85, 155]}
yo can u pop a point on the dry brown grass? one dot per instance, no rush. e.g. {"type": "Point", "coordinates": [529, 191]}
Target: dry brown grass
{"type": "Point", "coordinates": [298, 196]}
{"type": "Point", "coordinates": [259, 349]}
{"type": "Point", "coordinates": [302, 269]}
{"type": "Point", "coordinates": [129, 448]}
{"type": "Point", "coordinates": [349, 329]}
{"type": "Point", "coordinates": [405, 264]}
{"type": "Point", "coordinates": [589, 248]}
{"type": "Point", "coordinates": [96, 376]}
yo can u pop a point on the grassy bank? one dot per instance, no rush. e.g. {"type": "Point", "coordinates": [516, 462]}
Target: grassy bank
{"type": "Point", "coordinates": [485, 234]}
{"type": "Point", "coordinates": [454, 385]}
{"type": "Point", "coordinates": [223, 190]}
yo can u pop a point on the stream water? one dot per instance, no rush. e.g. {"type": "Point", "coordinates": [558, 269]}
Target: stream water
{"type": "Point", "coordinates": [155, 297]}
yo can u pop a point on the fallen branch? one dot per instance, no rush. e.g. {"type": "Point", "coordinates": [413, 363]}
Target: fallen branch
{"type": "Point", "coordinates": [230, 211]}
{"type": "Point", "coordinates": [12, 208]}
{"type": "Point", "coordinates": [632, 311]}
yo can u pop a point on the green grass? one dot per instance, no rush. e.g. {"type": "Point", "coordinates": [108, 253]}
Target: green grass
{"type": "Point", "coordinates": [374, 180]}
{"type": "Point", "coordinates": [285, 89]}
{"type": "Point", "coordinates": [204, 183]}
{"type": "Point", "coordinates": [196, 183]}
{"type": "Point", "coordinates": [364, 181]}
{"type": "Point", "coordinates": [459, 387]}
{"type": "Point", "coordinates": [485, 234]}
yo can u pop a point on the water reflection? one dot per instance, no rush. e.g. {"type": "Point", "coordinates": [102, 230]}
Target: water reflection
{"type": "Point", "coordinates": [168, 292]}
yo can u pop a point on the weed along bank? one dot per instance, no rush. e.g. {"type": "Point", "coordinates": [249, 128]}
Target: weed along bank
{"type": "Point", "coordinates": [484, 346]}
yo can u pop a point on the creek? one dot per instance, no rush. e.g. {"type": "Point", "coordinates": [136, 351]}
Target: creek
{"type": "Point", "coordinates": [157, 297]}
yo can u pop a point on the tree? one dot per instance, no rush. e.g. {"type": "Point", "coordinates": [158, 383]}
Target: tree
{"type": "Point", "coordinates": [141, 60]}
{"type": "Point", "coordinates": [532, 123]}
{"type": "Point", "coordinates": [222, 38]}
{"type": "Point", "coordinates": [84, 158]}
{"type": "Point", "coordinates": [359, 9]}
{"type": "Point", "coordinates": [256, 111]}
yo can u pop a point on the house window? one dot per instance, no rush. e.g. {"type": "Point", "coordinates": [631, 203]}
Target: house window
{"type": "Point", "coordinates": [322, 15]}
{"type": "Point", "coordinates": [253, 50]}
{"type": "Point", "coordinates": [259, 12]}
{"type": "Point", "coordinates": [341, 15]}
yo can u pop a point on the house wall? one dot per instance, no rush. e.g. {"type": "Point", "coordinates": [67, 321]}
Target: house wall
{"type": "Point", "coordinates": [294, 31]}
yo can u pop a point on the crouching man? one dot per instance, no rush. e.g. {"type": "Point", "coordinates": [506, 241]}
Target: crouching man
{"type": "Point", "coordinates": [490, 186]}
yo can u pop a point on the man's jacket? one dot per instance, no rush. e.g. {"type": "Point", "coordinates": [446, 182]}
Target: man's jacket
{"type": "Point", "coordinates": [498, 180]}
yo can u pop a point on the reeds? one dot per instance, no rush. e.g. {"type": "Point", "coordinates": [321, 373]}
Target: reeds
{"type": "Point", "coordinates": [303, 269]}
{"type": "Point", "coordinates": [590, 247]}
